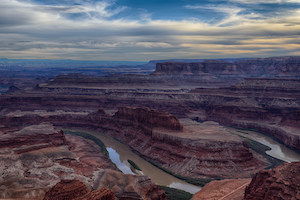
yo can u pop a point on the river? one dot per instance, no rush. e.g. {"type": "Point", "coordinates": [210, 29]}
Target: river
{"type": "Point", "coordinates": [278, 150]}
{"type": "Point", "coordinates": [119, 154]}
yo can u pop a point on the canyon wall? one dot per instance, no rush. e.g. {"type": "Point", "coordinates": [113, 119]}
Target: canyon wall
{"type": "Point", "coordinates": [198, 150]}
{"type": "Point", "coordinates": [149, 117]}
{"type": "Point", "coordinates": [34, 158]}
{"type": "Point", "coordinates": [260, 67]}
{"type": "Point", "coordinates": [76, 190]}
{"type": "Point", "coordinates": [282, 182]}
{"type": "Point", "coordinates": [268, 105]}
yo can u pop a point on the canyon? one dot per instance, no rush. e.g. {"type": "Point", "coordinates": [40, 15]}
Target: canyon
{"type": "Point", "coordinates": [282, 182]}
{"type": "Point", "coordinates": [176, 118]}
{"type": "Point", "coordinates": [36, 157]}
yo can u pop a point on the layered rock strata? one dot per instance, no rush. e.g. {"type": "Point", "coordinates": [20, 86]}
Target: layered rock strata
{"type": "Point", "coordinates": [228, 189]}
{"type": "Point", "coordinates": [35, 158]}
{"type": "Point", "coordinates": [268, 105]}
{"type": "Point", "coordinates": [275, 66]}
{"type": "Point", "coordinates": [199, 150]}
{"type": "Point", "coordinates": [282, 182]}
{"type": "Point", "coordinates": [76, 190]}
{"type": "Point", "coordinates": [149, 117]}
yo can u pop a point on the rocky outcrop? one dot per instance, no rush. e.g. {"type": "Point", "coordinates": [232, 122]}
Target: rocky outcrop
{"type": "Point", "coordinates": [227, 189]}
{"type": "Point", "coordinates": [131, 187]}
{"type": "Point", "coordinates": [31, 165]}
{"type": "Point", "coordinates": [213, 67]}
{"type": "Point", "coordinates": [199, 150]}
{"type": "Point", "coordinates": [282, 182]}
{"type": "Point", "coordinates": [260, 67]}
{"type": "Point", "coordinates": [205, 155]}
{"type": "Point", "coordinates": [33, 138]}
{"type": "Point", "coordinates": [67, 189]}
{"type": "Point", "coordinates": [149, 117]}
{"type": "Point", "coordinates": [76, 190]}
{"type": "Point", "coordinates": [268, 105]}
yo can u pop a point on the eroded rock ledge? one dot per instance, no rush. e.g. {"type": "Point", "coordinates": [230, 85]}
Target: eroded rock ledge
{"type": "Point", "coordinates": [76, 190]}
{"type": "Point", "coordinates": [198, 150]}
{"type": "Point", "coordinates": [149, 117]}
{"type": "Point", "coordinates": [34, 158]}
{"type": "Point", "coordinates": [282, 182]}
{"type": "Point", "coordinates": [273, 66]}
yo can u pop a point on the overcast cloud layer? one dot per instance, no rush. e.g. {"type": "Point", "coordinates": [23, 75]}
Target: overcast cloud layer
{"type": "Point", "coordinates": [145, 30]}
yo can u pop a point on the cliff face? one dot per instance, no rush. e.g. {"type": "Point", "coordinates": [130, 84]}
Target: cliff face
{"type": "Point", "coordinates": [149, 117]}
{"type": "Point", "coordinates": [268, 105]}
{"type": "Point", "coordinates": [213, 67]}
{"type": "Point", "coordinates": [276, 66]}
{"type": "Point", "coordinates": [76, 190]}
{"type": "Point", "coordinates": [33, 138]}
{"type": "Point", "coordinates": [227, 189]}
{"type": "Point", "coordinates": [282, 182]}
{"type": "Point", "coordinates": [36, 157]}
{"type": "Point", "coordinates": [199, 150]}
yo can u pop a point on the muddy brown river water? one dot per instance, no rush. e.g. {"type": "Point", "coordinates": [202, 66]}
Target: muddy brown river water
{"type": "Point", "coordinates": [119, 154]}
{"type": "Point", "coordinates": [278, 150]}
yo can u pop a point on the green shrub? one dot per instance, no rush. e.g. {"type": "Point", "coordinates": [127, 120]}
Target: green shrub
{"type": "Point", "coordinates": [90, 137]}
{"type": "Point", "coordinates": [175, 194]}
{"type": "Point", "coordinates": [135, 166]}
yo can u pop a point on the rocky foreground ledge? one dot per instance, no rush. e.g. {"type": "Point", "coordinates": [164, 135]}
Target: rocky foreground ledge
{"type": "Point", "coordinates": [76, 190]}
{"type": "Point", "coordinates": [282, 182]}
{"type": "Point", "coordinates": [34, 158]}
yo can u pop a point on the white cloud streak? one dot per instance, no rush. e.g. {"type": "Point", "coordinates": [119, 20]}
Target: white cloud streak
{"type": "Point", "coordinates": [28, 30]}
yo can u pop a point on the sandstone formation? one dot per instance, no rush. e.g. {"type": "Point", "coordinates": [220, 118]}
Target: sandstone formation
{"type": "Point", "coordinates": [67, 189]}
{"type": "Point", "coordinates": [76, 190]}
{"type": "Point", "coordinates": [200, 68]}
{"type": "Point", "coordinates": [261, 67]}
{"type": "Point", "coordinates": [282, 182]}
{"type": "Point", "coordinates": [32, 138]}
{"type": "Point", "coordinates": [218, 91]}
{"type": "Point", "coordinates": [268, 105]}
{"type": "Point", "coordinates": [199, 150]}
{"type": "Point", "coordinates": [36, 157]}
{"type": "Point", "coordinates": [228, 189]}
{"type": "Point", "coordinates": [149, 117]}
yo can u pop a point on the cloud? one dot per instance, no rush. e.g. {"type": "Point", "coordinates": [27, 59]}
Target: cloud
{"type": "Point", "coordinates": [233, 14]}
{"type": "Point", "coordinates": [32, 30]}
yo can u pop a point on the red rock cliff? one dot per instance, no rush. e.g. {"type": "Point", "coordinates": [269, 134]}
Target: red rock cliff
{"type": "Point", "coordinates": [149, 117]}
{"type": "Point", "coordinates": [282, 182]}
{"type": "Point", "coordinates": [274, 66]}
{"type": "Point", "coordinates": [76, 190]}
{"type": "Point", "coordinates": [33, 138]}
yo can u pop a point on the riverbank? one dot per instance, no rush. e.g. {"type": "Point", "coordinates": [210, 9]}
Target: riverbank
{"type": "Point", "coordinates": [156, 174]}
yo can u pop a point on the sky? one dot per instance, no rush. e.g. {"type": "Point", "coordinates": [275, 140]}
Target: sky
{"type": "Point", "coordinates": [142, 30]}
